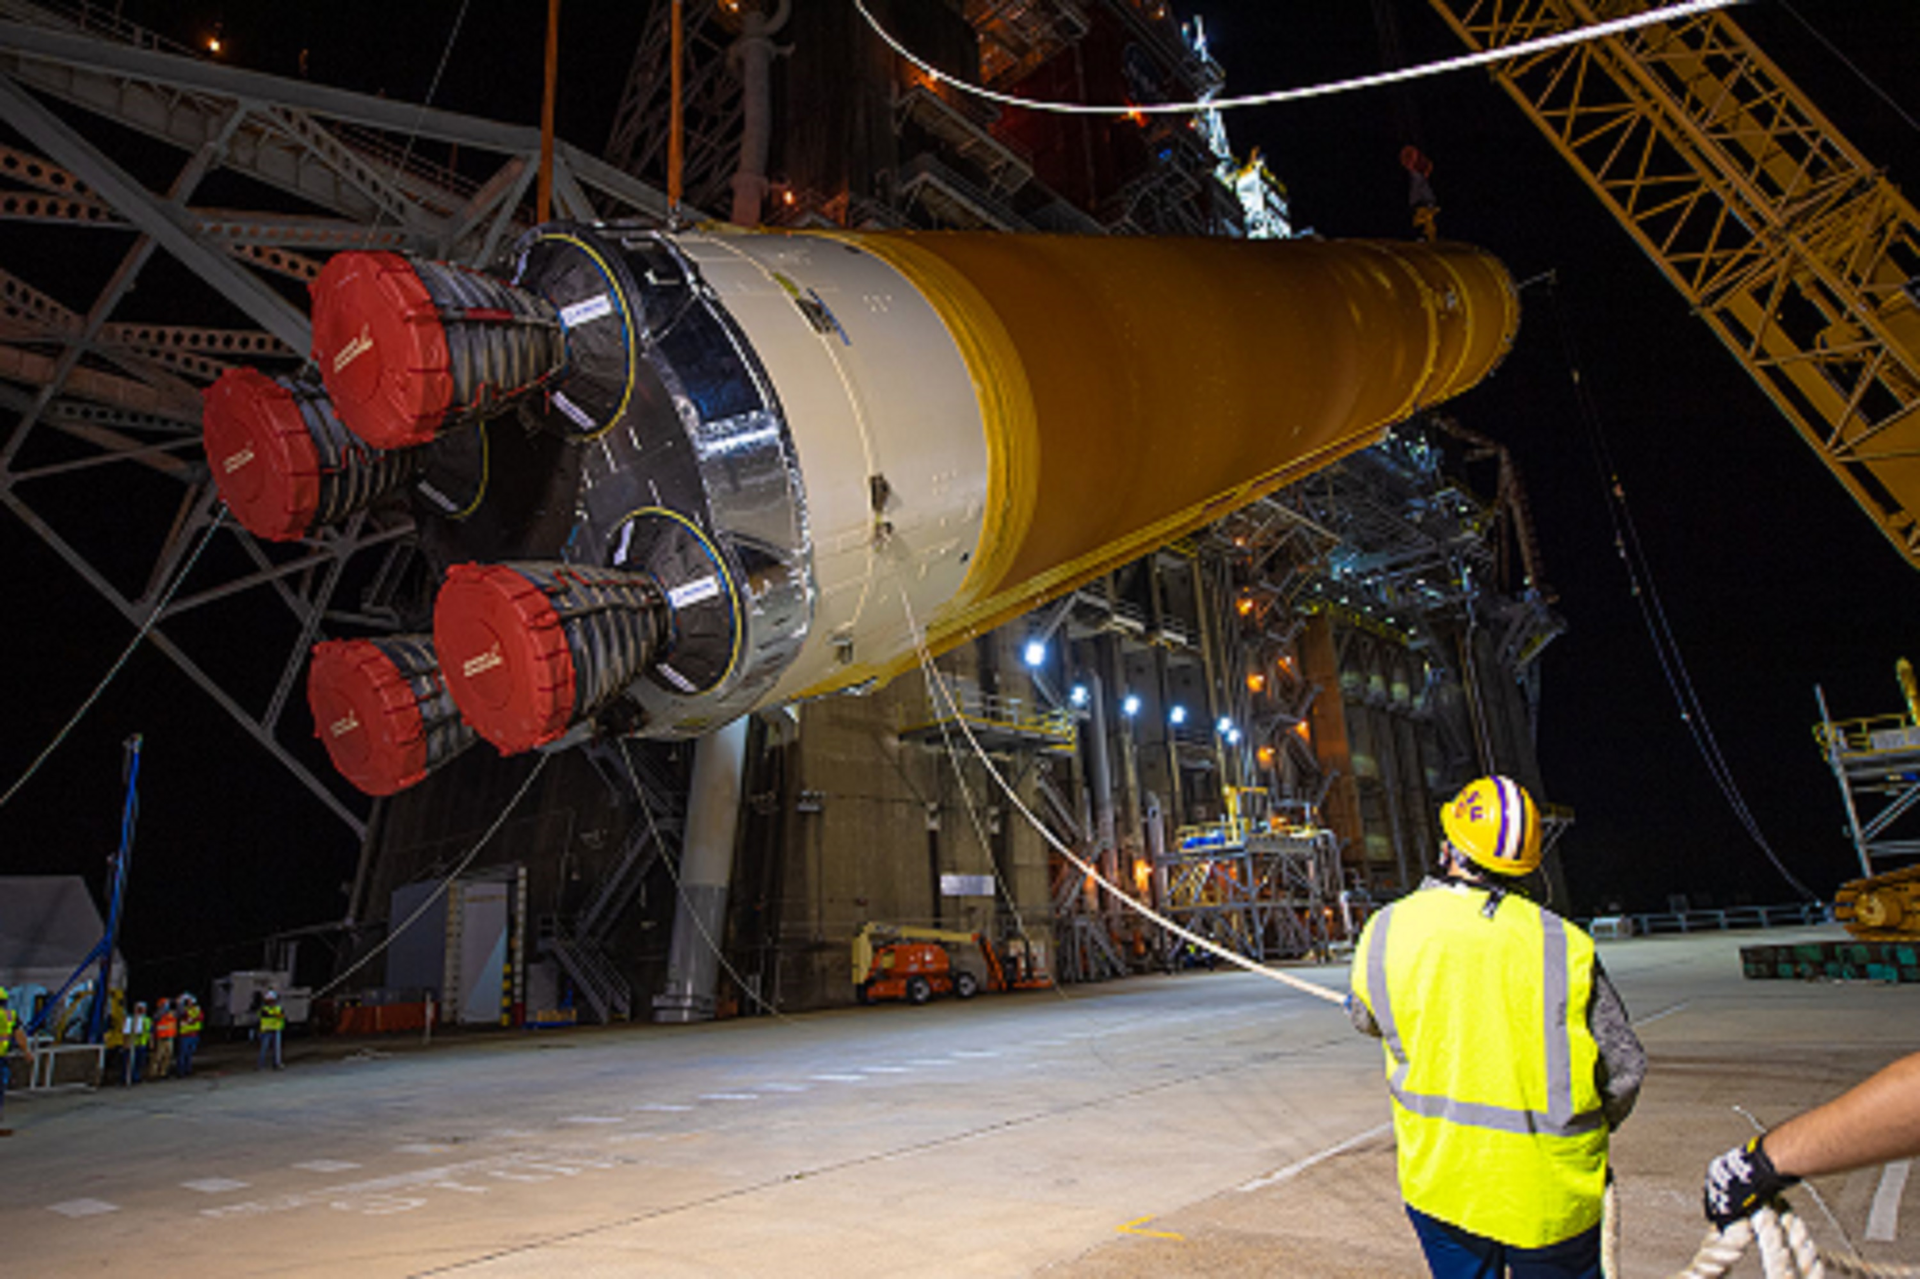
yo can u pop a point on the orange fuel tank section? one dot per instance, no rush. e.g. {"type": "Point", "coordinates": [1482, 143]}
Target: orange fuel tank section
{"type": "Point", "coordinates": [1134, 389]}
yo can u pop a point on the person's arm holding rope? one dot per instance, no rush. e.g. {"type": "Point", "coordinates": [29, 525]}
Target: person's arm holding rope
{"type": "Point", "coordinates": [1871, 1123]}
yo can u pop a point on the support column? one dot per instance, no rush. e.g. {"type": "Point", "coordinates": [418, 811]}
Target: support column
{"type": "Point", "coordinates": [706, 868]}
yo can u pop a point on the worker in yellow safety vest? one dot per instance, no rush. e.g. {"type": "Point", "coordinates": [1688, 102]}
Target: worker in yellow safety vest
{"type": "Point", "coordinates": [190, 1023]}
{"type": "Point", "coordinates": [273, 1021]}
{"type": "Point", "coordinates": [1509, 1055]}
{"type": "Point", "coordinates": [136, 1036]}
{"type": "Point", "coordinates": [166, 1028]}
{"type": "Point", "coordinates": [11, 1033]}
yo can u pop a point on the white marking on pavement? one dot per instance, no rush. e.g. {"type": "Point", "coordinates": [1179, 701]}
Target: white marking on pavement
{"type": "Point", "coordinates": [326, 1165]}
{"type": "Point", "coordinates": [1664, 1012]}
{"type": "Point", "coordinates": [972, 1052]}
{"type": "Point", "coordinates": [83, 1207]}
{"type": "Point", "coordinates": [1295, 1169]}
{"type": "Point", "coordinates": [729, 1096]}
{"type": "Point", "coordinates": [508, 1134]}
{"type": "Point", "coordinates": [930, 1063]}
{"type": "Point", "coordinates": [840, 1079]}
{"type": "Point", "coordinates": [421, 1148]}
{"type": "Point", "coordinates": [664, 1107]}
{"type": "Point", "coordinates": [593, 1119]}
{"type": "Point", "coordinates": [887, 1070]}
{"type": "Point", "coordinates": [781, 1087]}
{"type": "Point", "coordinates": [214, 1185]}
{"type": "Point", "coordinates": [1883, 1222]}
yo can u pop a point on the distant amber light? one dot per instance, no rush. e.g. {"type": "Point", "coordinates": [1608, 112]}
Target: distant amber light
{"type": "Point", "coordinates": [1245, 605]}
{"type": "Point", "coordinates": [214, 45]}
{"type": "Point", "coordinates": [1301, 728]}
{"type": "Point", "coordinates": [1265, 756]}
{"type": "Point", "coordinates": [1256, 682]}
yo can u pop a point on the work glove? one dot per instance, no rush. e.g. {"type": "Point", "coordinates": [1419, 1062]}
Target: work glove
{"type": "Point", "coordinates": [1740, 1181]}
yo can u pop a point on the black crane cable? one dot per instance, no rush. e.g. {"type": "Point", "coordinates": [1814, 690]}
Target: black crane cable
{"type": "Point", "coordinates": [1646, 597]}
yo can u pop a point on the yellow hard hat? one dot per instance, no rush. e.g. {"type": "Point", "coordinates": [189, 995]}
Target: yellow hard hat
{"type": "Point", "coordinates": [1495, 823]}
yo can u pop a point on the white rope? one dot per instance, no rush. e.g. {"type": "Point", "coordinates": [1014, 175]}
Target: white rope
{"type": "Point", "coordinates": [393, 934]}
{"type": "Point", "coordinates": [152, 620]}
{"type": "Point", "coordinates": [1787, 1251]}
{"type": "Point", "coordinates": [1522, 49]}
{"type": "Point", "coordinates": [938, 682]}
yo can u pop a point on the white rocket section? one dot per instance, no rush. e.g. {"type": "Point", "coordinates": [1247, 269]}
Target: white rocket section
{"type": "Point", "coordinates": [879, 402]}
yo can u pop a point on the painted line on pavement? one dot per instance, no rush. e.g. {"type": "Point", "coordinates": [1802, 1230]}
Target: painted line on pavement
{"type": "Point", "coordinates": [661, 1107]}
{"type": "Point", "coordinates": [1668, 1011]}
{"type": "Point", "coordinates": [83, 1207]}
{"type": "Point", "coordinates": [214, 1185]}
{"type": "Point", "coordinates": [1295, 1169]}
{"type": "Point", "coordinates": [840, 1079]}
{"type": "Point", "coordinates": [1883, 1222]}
{"type": "Point", "coordinates": [329, 1165]}
{"type": "Point", "coordinates": [594, 1119]}
{"type": "Point", "coordinates": [729, 1096]}
{"type": "Point", "coordinates": [781, 1087]}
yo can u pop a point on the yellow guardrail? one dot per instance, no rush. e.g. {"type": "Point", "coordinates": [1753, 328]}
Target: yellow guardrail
{"type": "Point", "coordinates": [1880, 734]}
{"type": "Point", "coordinates": [989, 711]}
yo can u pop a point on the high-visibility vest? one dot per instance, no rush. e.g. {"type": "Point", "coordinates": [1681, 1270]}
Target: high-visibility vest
{"type": "Point", "coordinates": [190, 1020]}
{"type": "Point", "coordinates": [168, 1025]}
{"type": "Point", "coordinates": [141, 1031]}
{"type": "Point", "coordinates": [1496, 1109]}
{"type": "Point", "coordinates": [273, 1017]}
{"type": "Point", "coordinates": [9, 1021]}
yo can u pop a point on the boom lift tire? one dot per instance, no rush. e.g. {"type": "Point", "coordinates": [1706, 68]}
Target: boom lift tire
{"type": "Point", "coordinates": [919, 990]}
{"type": "Point", "coordinates": [965, 985]}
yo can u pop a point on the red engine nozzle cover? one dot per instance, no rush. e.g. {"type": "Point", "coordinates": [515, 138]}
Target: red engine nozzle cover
{"type": "Point", "coordinates": [504, 655]}
{"type": "Point", "coordinates": [261, 453]}
{"type": "Point", "coordinates": [367, 716]}
{"type": "Point", "coordinates": [381, 348]}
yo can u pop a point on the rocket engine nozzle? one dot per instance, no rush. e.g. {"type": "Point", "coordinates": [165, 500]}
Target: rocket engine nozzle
{"type": "Point", "coordinates": [532, 649]}
{"type": "Point", "coordinates": [382, 710]}
{"type": "Point", "coordinates": [410, 348]}
{"type": "Point", "coordinates": [282, 460]}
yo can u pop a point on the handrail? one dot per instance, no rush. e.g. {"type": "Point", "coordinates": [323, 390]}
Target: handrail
{"type": "Point", "coordinates": [1875, 735]}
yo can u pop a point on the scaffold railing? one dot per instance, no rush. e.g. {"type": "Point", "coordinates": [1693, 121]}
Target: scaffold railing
{"type": "Point", "coordinates": [997, 719]}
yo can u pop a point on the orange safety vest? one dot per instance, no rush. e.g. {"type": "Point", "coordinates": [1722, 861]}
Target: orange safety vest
{"type": "Point", "coordinates": [167, 1025]}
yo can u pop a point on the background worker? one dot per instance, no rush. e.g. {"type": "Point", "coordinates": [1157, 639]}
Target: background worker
{"type": "Point", "coordinates": [1509, 1055]}
{"type": "Point", "coordinates": [273, 1021]}
{"type": "Point", "coordinates": [136, 1037]}
{"type": "Point", "coordinates": [190, 1023]}
{"type": "Point", "coordinates": [12, 1034]}
{"type": "Point", "coordinates": [1871, 1123]}
{"type": "Point", "coordinates": [166, 1027]}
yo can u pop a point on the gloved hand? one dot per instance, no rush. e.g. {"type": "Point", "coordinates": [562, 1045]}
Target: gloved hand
{"type": "Point", "coordinates": [1740, 1181]}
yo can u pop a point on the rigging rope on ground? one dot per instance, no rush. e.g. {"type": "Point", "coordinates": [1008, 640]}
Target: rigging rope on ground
{"type": "Point", "coordinates": [1519, 49]}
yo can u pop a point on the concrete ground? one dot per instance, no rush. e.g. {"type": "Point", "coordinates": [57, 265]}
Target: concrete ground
{"type": "Point", "coordinates": [1205, 1124]}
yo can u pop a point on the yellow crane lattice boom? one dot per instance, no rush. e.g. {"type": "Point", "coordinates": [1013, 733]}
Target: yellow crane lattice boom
{"type": "Point", "coordinates": [1803, 257]}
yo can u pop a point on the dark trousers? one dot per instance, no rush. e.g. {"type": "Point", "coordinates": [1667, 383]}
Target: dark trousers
{"type": "Point", "coordinates": [269, 1050]}
{"type": "Point", "coordinates": [1453, 1253]}
{"type": "Point", "coordinates": [188, 1045]}
{"type": "Point", "coordinates": [6, 1077]}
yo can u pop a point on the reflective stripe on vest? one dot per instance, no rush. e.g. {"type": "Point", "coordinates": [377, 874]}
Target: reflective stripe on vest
{"type": "Point", "coordinates": [1560, 1118]}
{"type": "Point", "coordinates": [8, 1020]}
{"type": "Point", "coordinates": [1490, 1063]}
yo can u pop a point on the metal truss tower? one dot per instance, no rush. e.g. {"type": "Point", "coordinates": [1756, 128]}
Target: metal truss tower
{"type": "Point", "coordinates": [215, 193]}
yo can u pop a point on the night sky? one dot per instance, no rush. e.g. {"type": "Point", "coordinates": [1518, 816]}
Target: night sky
{"type": "Point", "coordinates": [1772, 581]}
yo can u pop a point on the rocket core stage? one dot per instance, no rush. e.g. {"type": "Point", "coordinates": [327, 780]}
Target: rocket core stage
{"type": "Point", "coordinates": [669, 478]}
